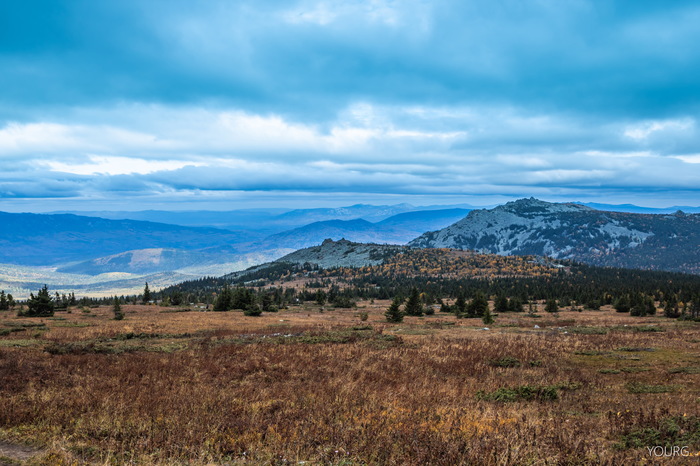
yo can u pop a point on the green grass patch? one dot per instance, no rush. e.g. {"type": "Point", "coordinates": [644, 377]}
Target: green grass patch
{"type": "Point", "coordinates": [634, 369]}
{"type": "Point", "coordinates": [609, 371]}
{"type": "Point", "coordinates": [588, 330]}
{"type": "Point", "coordinates": [19, 343]}
{"type": "Point", "coordinates": [591, 353]}
{"type": "Point", "coordinates": [73, 324]}
{"type": "Point", "coordinates": [639, 387]}
{"type": "Point", "coordinates": [505, 361]}
{"type": "Point", "coordinates": [666, 432]}
{"type": "Point", "coordinates": [634, 349]}
{"type": "Point", "coordinates": [171, 311]}
{"type": "Point", "coordinates": [25, 325]}
{"type": "Point", "coordinates": [648, 328]}
{"type": "Point", "coordinates": [684, 370]}
{"type": "Point", "coordinates": [521, 393]}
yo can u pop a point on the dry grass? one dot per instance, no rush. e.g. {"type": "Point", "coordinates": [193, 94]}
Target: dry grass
{"type": "Point", "coordinates": [322, 387]}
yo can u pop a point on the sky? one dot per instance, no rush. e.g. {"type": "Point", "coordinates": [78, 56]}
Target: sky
{"type": "Point", "coordinates": [173, 104]}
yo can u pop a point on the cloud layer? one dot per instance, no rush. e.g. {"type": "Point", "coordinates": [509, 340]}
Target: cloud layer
{"type": "Point", "coordinates": [162, 101]}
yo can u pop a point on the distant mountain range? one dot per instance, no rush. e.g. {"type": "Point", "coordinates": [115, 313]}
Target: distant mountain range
{"type": "Point", "coordinates": [38, 239]}
{"type": "Point", "coordinates": [573, 231]}
{"type": "Point", "coordinates": [263, 222]}
{"type": "Point", "coordinates": [75, 247]}
{"type": "Point", "coordinates": [68, 245]}
{"type": "Point", "coordinates": [398, 229]}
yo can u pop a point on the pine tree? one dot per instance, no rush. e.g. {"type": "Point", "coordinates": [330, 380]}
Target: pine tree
{"type": "Point", "coordinates": [320, 297]}
{"type": "Point", "coordinates": [651, 306]}
{"type": "Point", "coordinates": [515, 305]}
{"type": "Point", "coordinates": [4, 303]}
{"type": "Point", "coordinates": [501, 304]}
{"type": "Point", "coordinates": [223, 300]}
{"type": "Point", "coordinates": [478, 306]}
{"type": "Point", "coordinates": [41, 305]}
{"type": "Point", "coordinates": [117, 309]}
{"type": "Point", "coordinates": [394, 314]}
{"type": "Point", "coordinates": [460, 307]}
{"type": "Point", "coordinates": [146, 294]}
{"type": "Point", "coordinates": [413, 305]}
{"type": "Point", "coordinates": [253, 310]}
{"type": "Point", "coordinates": [623, 304]}
{"type": "Point", "coordinates": [551, 306]}
{"type": "Point", "coordinates": [487, 318]}
{"type": "Point", "coordinates": [671, 308]}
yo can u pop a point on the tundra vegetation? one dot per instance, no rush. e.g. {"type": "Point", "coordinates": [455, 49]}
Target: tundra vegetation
{"type": "Point", "coordinates": [308, 380]}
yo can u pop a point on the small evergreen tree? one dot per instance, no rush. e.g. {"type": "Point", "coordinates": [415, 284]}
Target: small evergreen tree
{"type": "Point", "coordinates": [551, 306]}
{"type": "Point", "coordinates": [623, 304]}
{"type": "Point", "coordinates": [515, 305]}
{"type": "Point", "coordinates": [478, 306]}
{"type": "Point", "coordinates": [117, 309]}
{"type": "Point", "coordinates": [320, 297]}
{"type": "Point", "coordinates": [671, 308]}
{"type": "Point", "coordinates": [413, 305]}
{"type": "Point", "coordinates": [460, 306]}
{"type": "Point", "coordinates": [253, 310]}
{"type": "Point", "coordinates": [146, 294]}
{"type": "Point", "coordinates": [501, 304]}
{"type": "Point", "coordinates": [651, 306]}
{"type": "Point", "coordinates": [394, 313]}
{"type": "Point", "coordinates": [41, 305]}
{"type": "Point", "coordinates": [223, 300]}
{"type": "Point", "coordinates": [487, 318]}
{"type": "Point", "coordinates": [4, 303]}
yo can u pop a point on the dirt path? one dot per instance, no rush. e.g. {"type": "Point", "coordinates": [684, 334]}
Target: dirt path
{"type": "Point", "coordinates": [16, 452]}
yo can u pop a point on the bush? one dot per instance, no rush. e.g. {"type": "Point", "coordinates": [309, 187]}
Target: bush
{"type": "Point", "coordinates": [252, 310]}
{"type": "Point", "coordinates": [521, 393]}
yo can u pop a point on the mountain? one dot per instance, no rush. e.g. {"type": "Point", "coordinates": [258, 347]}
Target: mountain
{"type": "Point", "coordinates": [573, 231]}
{"type": "Point", "coordinates": [42, 239]}
{"type": "Point", "coordinates": [631, 208]}
{"type": "Point", "coordinates": [343, 253]}
{"type": "Point", "coordinates": [261, 222]}
{"type": "Point", "coordinates": [397, 229]}
{"type": "Point", "coordinates": [255, 223]}
{"type": "Point", "coordinates": [208, 261]}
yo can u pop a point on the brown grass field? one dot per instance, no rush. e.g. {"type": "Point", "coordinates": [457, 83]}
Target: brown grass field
{"type": "Point", "coordinates": [308, 387]}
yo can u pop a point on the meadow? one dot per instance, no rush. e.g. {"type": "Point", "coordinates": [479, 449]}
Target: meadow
{"type": "Point", "coordinates": [313, 385]}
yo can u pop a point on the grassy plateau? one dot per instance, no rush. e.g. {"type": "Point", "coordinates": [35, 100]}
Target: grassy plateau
{"type": "Point", "coordinates": [313, 385]}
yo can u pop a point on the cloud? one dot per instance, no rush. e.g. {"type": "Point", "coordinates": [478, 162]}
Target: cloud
{"type": "Point", "coordinates": [172, 98]}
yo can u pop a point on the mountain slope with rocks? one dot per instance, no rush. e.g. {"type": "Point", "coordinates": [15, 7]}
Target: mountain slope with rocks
{"type": "Point", "coordinates": [573, 231]}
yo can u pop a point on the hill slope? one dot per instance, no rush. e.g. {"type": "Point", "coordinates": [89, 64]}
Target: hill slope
{"type": "Point", "coordinates": [397, 229]}
{"type": "Point", "coordinates": [573, 231]}
{"type": "Point", "coordinates": [40, 239]}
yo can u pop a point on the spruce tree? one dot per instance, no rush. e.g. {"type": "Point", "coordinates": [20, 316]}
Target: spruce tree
{"type": "Point", "coordinates": [320, 297]}
{"type": "Point", "coordinates": [117, 309]}
{"type": "Point", "coordinates": [146, 294]}
{"type": "Point", "coordinates": [623, 304]}
{"type": "Point", "coordinates": [223, 300]}
{"type": "Point", "coordinates": [515, 305]}
{"type": "Point", "coordinates": [4, 303]}
{"type": "Point", "coordinates": [671, 308]}
{"type": "Point", "coordinates": [41, 305]}
{"type": "Point", "coordinates": [394, 314]}
{"type": "Point", "coordinates": [487, 318]}
{"type": "Point", "coordinates": [413, 306]}
{"type": "Point", "coordinates": [478, 306]}
{"type": "Point", "coordinates": [501, 304]}
{"type": "Point", "coordinates": [460, 306]}
{"type": "Point", "coordinates": [551, 306]}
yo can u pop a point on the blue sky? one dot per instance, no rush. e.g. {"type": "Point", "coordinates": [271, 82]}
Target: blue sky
{"type": "Point", "coordinates": [128, 105]}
